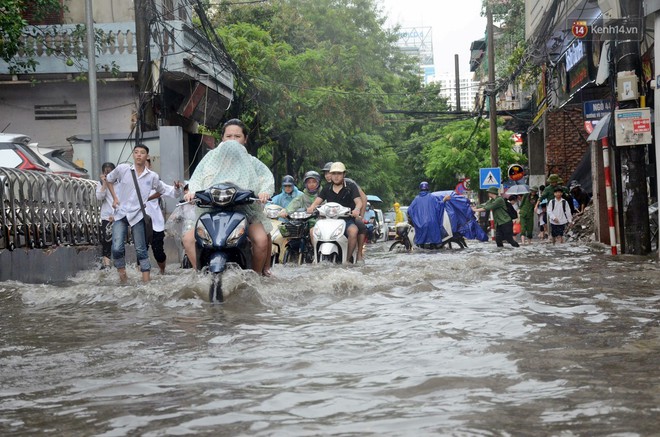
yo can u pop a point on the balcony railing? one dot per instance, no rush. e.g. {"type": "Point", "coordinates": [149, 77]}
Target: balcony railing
{"type": "Point", "coordinates": [58, 49]}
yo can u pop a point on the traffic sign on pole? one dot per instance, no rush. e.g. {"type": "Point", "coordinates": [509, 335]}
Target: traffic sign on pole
{"type": "Point", "coordinates": [490, 177]}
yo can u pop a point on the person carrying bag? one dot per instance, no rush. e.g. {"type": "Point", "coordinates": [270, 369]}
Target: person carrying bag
{"type": "Point", "coordinates": [146, 218]}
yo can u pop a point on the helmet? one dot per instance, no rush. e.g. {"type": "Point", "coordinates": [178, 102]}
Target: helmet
{"type": "Point", "coordinates": [327, 166]}
{"type": "Point", "coordinates": [337, 167]}
{"type": "Point", "coordinates": [312, 174]}
{"type": "Point", "coordinates": [396, 204]}
{"type": "Point", "coordinates": [287, 180]}
{"type": "Point", "coordinates": [424, 186]}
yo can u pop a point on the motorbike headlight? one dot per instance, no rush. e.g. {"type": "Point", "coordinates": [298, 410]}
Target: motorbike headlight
{"type": "Point", "coordinates": [237, 233]}
{"type": "Point", "coordinates": [203, 234]}
{"type": "Point", "coordinates": [299, 215]}
{"type": "Point", "coordinates": [332, 211]}
{"type": "Point", "coordinates": [222, 197]}
{"type": "Point", "coordinates": [338, 232]}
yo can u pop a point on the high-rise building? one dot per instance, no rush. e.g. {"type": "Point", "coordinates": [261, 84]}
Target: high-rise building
{"type": "Point", "coordinates": [418, 43]}
{"type": "Point", "coordinates": [468, 90]}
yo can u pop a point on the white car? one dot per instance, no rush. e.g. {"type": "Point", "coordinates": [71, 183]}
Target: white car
{"type": "Point", "coordinates": [56, 160]}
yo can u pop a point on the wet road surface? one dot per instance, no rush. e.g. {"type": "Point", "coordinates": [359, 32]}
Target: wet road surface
{"type": "Point", "coordinates": [539, 340]}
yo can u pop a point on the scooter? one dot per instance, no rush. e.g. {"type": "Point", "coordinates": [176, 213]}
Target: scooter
{"type": "Point", "coordinates": [221, 235]}
{"type": "Point", "coordinates": [278, 241]}
{"type": "Point", "coordinates": [405, 237]}
{"type": "Point", "coordinates": [328, 239]}
{"type": "Point", "coordinates": [373, 230]}
{"type": "Point", "coordinates": [299, 248]}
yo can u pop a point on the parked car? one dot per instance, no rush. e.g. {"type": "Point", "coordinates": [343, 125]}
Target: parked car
{"type": "Point", "coordinates": [15, 153]}
{"type": "Point", "coordinates": [55, 159]}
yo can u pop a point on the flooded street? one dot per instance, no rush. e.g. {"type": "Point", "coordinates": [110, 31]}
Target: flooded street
{"type": "Point", "coordinates": [539, 340]}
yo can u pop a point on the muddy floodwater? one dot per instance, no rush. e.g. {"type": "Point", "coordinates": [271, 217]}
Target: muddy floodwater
{"type": "Point", "coordinates": [535, 341]}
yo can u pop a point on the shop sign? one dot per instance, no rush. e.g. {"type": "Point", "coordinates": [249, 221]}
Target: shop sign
{"type": "Point", "coordinates": [574, 54]}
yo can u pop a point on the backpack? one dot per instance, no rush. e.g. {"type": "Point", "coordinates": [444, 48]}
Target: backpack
{"type": "Point", "coordinates": [511, 210]}
{"type": "Point", "coordinates": [563, 204]}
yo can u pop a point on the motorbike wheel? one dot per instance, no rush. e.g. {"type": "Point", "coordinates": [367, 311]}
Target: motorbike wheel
{"type": "Point", "coordinates": [215, 290]}
{"type": "Point", "coordinates": [332, 258]}
{"type": "Point", "coordinates": [394, 245]}
{"type": "Point", "coordinates": [308, 256]}
{"type": "Point", "coordinates": [185, 263]}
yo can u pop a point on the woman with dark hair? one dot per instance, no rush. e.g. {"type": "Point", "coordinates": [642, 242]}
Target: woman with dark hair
{"type": "Point", "coordinates": [231, 163]}
{"type": "Point", "coordinates": [107, 211]}
{"type": "Point", "coordinates": [236, 130]}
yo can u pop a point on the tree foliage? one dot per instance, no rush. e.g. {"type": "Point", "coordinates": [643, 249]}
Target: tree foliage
{"type": "Point", "coordinates": [12, 26]}
{"type": "Point", "coordinates": [326, 82]}
{"type": "Point", "coordinates": [458, 150]}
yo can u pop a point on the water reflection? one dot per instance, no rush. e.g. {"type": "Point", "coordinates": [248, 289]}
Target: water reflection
{"type": "Point", "coordinates": [539, 340]}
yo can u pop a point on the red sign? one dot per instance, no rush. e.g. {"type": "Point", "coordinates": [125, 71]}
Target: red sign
{"type": "Point", "coordinates": [516, 172]}
{"type": "Point", "coordinates": [462, 186]}
{"type": "Point", "coordinates": [579, 29]}
{"type": "Point", "coordinates": [642, 125]}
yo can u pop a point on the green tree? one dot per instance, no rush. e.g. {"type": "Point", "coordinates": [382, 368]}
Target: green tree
{"type": "Point", "coordinates": [457, 149]}
{"type": "Point", "coordinates": [319, 73]}
{"type": "Point", "coordinates": [12, 27]}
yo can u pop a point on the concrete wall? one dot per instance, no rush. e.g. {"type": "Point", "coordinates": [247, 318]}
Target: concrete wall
{"type": "Point", "coordinates": [57, 264]}
{"type": "Point", "coordinates": [105, 11]}
{"type": "Point", "coordinates": [17, 108]}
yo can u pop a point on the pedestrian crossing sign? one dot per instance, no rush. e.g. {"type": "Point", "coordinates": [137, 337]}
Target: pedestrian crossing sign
{"type": "Point", "coordinates": [490, 177]}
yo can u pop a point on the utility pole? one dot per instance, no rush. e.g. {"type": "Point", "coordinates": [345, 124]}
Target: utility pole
{"type": "Point", "coordinates": [457, 85]}
{"type": "Point", "coordinates": [143, 18]}
{"type": "Point", "coordinates": [95, 165]}
{"type": "Point", "coordinates": [490, 90]}
{"type": "Point", "coordinates": [636, 230]}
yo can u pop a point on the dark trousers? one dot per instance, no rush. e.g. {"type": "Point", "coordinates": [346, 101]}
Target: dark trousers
{"type": "Point", "coordinates": [503, 233]}
{"type": "Point", "coordinates": [106, 245]}
{"type": "Point", "coordinates": [157, 246]}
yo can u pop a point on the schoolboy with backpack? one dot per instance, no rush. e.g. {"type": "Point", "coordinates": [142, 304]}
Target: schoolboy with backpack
{"type": "Point", "coordinates": [559, 215]}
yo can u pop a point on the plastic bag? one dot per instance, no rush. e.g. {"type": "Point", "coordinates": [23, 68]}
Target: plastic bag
{"type": "Point", "coordinates": [181, 220]}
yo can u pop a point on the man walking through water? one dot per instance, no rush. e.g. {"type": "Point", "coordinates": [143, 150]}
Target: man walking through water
{"type": "Point", "coordinates": [503, 221]}
{"type": "Point", "coordinates": [128, 211]}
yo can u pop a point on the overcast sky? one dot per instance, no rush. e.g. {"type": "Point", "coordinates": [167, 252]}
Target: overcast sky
{"type": "Point", "coordinates": [455, 23]}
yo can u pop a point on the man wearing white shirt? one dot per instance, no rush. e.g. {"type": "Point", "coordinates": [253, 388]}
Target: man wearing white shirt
{"type": "Point", "coordinates": [128, 211]}
{"type": "Point", "coordinates": [103, 194]}
{"type": "Point", "coordinates": [158, 220]}
{"type": "Point", "coordinates": [559, 215]}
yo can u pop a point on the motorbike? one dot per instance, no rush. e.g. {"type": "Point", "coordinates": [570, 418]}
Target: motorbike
{"type": "Point", "coordinates": [373, 230]}
{"type": "Point", "coordinates": [278, 241]}
{"type": "Point", "coordinates": [221, 234]}
{"type": "Point", "coordinates": [405, 237]}
{"type": "Point", "coordinates": [299, 247]}
{"type": "Point", "coordinates": [328, 239]}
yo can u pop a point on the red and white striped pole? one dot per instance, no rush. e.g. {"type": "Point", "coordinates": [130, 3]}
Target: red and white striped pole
{"type": "Point", "coordinates": [608, 192]}
{"type": "Point", "coordinates": [492, 226]}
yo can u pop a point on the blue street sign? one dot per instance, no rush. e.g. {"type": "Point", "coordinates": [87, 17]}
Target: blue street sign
{"type": "Point", "coordinates": [490, 177]}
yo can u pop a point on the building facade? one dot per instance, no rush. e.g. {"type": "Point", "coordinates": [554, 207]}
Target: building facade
{"type": "Point", "coordinates": [187, 81]}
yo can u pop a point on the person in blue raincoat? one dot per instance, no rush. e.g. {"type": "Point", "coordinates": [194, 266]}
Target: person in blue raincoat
{"type": "Point", "coordinates": [289, 192]}
{"type": "Point", "coordinates": [425, 213]}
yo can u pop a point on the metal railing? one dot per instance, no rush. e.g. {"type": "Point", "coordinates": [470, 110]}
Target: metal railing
{"type": "Point", "coordinates": [40, 210]}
